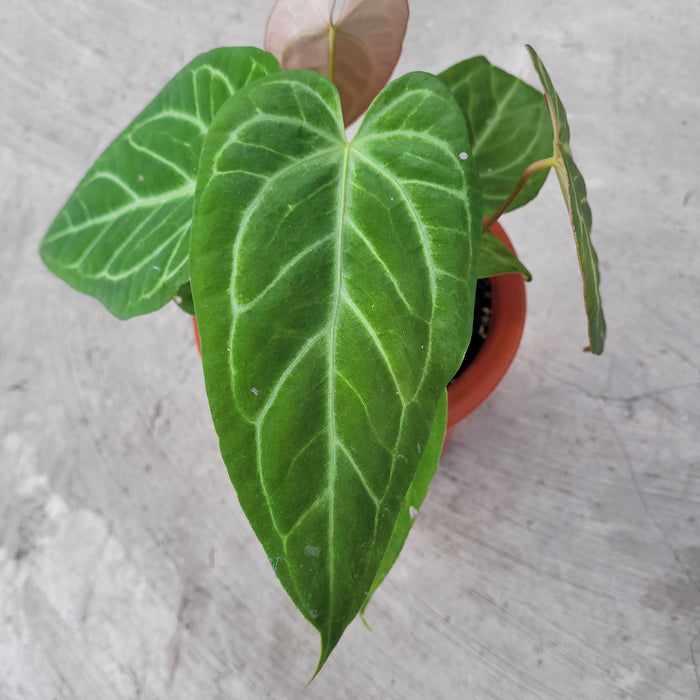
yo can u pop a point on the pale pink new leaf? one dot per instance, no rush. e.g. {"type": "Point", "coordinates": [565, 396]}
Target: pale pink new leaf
{"type": "Point", "coordinates": [358, 52]}
{"type": "Point", "coordinates": [294, 18]}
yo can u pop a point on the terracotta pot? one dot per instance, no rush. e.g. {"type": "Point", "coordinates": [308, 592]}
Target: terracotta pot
{"type": "Point", "coordinates": [488, 368]}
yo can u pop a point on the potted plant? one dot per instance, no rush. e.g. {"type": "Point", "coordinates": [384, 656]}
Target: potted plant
{"type": "Point", "coordinates": [333, 282]}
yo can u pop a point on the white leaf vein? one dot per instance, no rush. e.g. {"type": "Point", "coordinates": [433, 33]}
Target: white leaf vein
{"type": "Point", "coordinates": [288, 371]}
{"type": "Point", "coordinates": [377, 342]}
{"type": "Point", "coordinates": [363, 480]}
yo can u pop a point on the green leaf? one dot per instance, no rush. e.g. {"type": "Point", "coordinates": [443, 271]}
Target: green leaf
{"type": "Point", "coordinates": [183, 298]}
{"type": "Point", "coordinates": [414, 497]}
{"type": "Point", "coordinates": [574, 190]}
{"type": "Point", "coordinates": [508, 125]}
{"type": "Point", "coordinates": [330, 282]}
{"type": "Point", "coordinates": [496, 258]}
{"type": "Point", "coordinates": [123, 235]}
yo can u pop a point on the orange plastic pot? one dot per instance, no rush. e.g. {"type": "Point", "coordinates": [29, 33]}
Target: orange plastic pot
{"type": "Point", "coordinates": [488, 368]}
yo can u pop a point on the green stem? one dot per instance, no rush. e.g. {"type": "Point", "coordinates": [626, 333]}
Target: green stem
{"type": "Point", "coordinates": [527, 174]}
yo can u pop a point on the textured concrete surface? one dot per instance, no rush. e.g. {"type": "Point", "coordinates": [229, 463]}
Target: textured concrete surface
{"type": "Point", "coordinates": [558, 553]}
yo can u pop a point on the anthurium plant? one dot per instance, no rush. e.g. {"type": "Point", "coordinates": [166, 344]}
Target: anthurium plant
{"type": "Point", "coordinates": [332, 280]}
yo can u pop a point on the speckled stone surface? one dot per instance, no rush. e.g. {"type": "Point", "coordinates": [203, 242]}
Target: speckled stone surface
{"type": "Point", "coordinates": [558, 553]}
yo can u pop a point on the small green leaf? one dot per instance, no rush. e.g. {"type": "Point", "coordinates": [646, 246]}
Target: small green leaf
{"type": "Point", "coordinates": [496, 258]}
{"type": "Point", "coordinates": [123, 235]}
{"type": "Point", "coordinates": [508, 126]}
{"type": "Point", "coordinates": [574, 190]}
{"type": "Point", "coordinates": [330, 281]}
{"type": "Point", "coordinates": [414, 497]}
{"type": "Point", "coordinates": [183, 298]}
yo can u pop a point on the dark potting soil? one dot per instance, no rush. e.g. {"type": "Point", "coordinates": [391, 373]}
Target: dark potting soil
{"type": "Point", "coordinates": [480, 328]}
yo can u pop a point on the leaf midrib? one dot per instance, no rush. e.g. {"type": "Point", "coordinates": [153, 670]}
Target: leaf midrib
{"type": "Point", "coordinates": [332, 343]}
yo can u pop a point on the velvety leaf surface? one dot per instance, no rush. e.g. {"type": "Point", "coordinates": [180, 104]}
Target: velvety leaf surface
{"type": "Point", "coordinates": [123, 235]}
{"type": "Point", "coordinates": [358, 51]}
{"type": "Point", "coordinates": [496, 258]}
{"type": "Point", "coordinates": [574, 190]}
{"type": "Point", "coordinates": [508, 125]}
{"type": "Point", "coordinates": [329, 282]}
{"type": "Point", "coordinates": [415, 496]}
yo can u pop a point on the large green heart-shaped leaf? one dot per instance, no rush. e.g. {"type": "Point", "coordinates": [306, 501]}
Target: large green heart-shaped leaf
{"type": "Point", "coordinates": [508, 125]}
{"type": "Point", "coordinates": [358, 51]}
{"type": "Point", "coordinates": [414, 498]}
{"type": "Point", "coordinates": [574, 190]}
{"type": "Point", "coordinates": [123, 235]}
{"type": "Point", "coordinates": [333, 287]}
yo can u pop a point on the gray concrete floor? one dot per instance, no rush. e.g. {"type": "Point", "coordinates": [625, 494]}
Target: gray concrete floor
{"type": "Point", "coordinates": [558, 553]}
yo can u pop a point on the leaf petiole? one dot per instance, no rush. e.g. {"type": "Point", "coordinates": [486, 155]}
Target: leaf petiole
{"type": "Point", "coordinates": [531, 169]}
{"type": "Point", "coordinates": [331, 52]}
